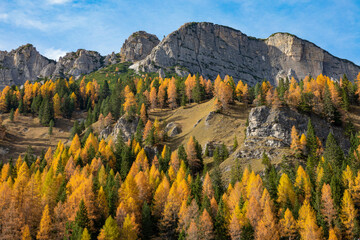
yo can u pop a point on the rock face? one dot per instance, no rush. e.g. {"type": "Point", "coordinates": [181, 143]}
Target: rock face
{"type": "Point", "coordinates": [138, 46]}
{"type": "Point", "coordinates": [212, 49]}
{"type": "Point", "coordinates": [269, 127]}
{"type": "Point", "coordinates": [78, 63]}
{"type": "Point", "coordinates": [126, 126]}
{"type": "Point", "coordinates": [24, 63]}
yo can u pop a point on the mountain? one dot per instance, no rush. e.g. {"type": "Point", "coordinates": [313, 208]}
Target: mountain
{"type": "Point", "coordinates": [26, 63]}
{"type": "Point", "coordinates": [205, 48]}
{"type": "Point", "coordinates": [23, 63]}
{"type": "Point", "coordinates": [212, 49]}
{"type": "Point", "coordinates": [138, 46]}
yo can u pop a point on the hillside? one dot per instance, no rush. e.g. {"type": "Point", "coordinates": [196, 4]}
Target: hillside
{"type": "Point", "coordinates": [140, 156]}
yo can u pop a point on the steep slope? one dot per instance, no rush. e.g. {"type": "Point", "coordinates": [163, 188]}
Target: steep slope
{"type": "Point", "coordinates": [212, 49]}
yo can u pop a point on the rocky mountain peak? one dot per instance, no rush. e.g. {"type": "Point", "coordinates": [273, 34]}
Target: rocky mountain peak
{"type": "Point", "coordinates": [138, 46]}
{"type": "Point", "coordinates": [211, 49]}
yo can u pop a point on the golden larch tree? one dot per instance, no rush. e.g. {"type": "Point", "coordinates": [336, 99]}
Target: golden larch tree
{"type": "Point", "coordinates": [172, 94]}
{"type": "Point", "coordinates": [206, 228]}
{"type": "Point", "coordinates": [288, 225]}
{"type": "Point", "coordinates": [45, 225]}
{"type": "Point", "coordinates": [327, 204]}
{"type": "Point", "coordinates": [130, 101]}
{"type": "Point", "coordinates": [267, 227]}
{"type": "Point", "coordinates": [348, 214]}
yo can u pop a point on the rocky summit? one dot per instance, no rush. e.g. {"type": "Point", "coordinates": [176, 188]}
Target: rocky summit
{"type": "Point", "coordinates": [211, 49]}
{"type": "Point", "coordinates": [138, 46]}
{"type": "Point", "coordinates": [205, 48]}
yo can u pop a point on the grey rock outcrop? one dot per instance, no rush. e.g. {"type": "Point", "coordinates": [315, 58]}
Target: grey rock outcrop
{"type": "Point", "coordinates": [77, 63]}
{"type": "Point", "coordinates": [269, 131]}
{"type": "Point", "coordinates": [23, 63]}
{"type": "Point", "coordinates": [211, 49]}
{"type": "Point", "coordinates": [172, 129]}
{"type": "Point", "coordinates": [126, 126]}
{"type": "Point", "coordinates": [273, 127]}
{"type": "Point", "coordinates": [112, 58]}
{"type": "Point", "coordinates": [138, 46]}
{"type": "Point", "coordinates": [211, 146]}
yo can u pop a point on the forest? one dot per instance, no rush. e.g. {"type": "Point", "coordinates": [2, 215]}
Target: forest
{"type": "Point", "coordinates": [95, 188]}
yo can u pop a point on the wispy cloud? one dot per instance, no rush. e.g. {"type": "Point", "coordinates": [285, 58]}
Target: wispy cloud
{"type": "Point", "coordinates": [58, 1]}
{"type": "Point", "coordinates": [3, 16]}
{"type": "Point", "coordinates": [54, 54]}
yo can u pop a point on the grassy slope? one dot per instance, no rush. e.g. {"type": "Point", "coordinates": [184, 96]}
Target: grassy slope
{"type": "Point", "coordinates": [28, 131]}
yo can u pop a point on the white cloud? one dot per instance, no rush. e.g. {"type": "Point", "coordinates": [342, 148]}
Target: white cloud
{"type": "Point", "coordinates": [58, 1]}
{"type": "Point", "coordinates": [54, 54]}
{"type": "Point", "coordinates": [3, 16]}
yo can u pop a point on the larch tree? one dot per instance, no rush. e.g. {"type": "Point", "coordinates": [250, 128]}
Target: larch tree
{"type": "Point", "coordinates": [267, 227]}
{"type": "Point", "coordinates": [129, 229]}
{"type": "Point", "coordinates": [235, 227]}
{"type": "Point", "coordinates": [110, 230]}
{"type": "Point", "coordinates": [254, 211]}
{"type": "Point", "coordinates": [206, 228]}
{"type": "Point", "coordinates": [85, 235]}
{"type": "Point", "coordinates": [311, 230]}
{"type": "Point", "coordinates": [130, 102]}
{"type": "Point", "coordinates": [153, 98]}
{"type": "Point", "coordinates": [193, 231]}
{"type": "Point", "coordinates": [45, 225]}
{"type": "Point", "coordinates": [143, 113]}
{"type": "Point", "coordinates": [295, 141]}
{"type": "Point", "coordinates": [57, 105]}
{"type": "Point", "coordinates": [332, 234]}
{"type": "Point", "coordinates": [285, 190]}
{"type": "Point", "coordinates": [208, 189]}
{"type": "Point", "coordinates": [327, 203]}
{"type": "Point", "coordinates": [348, 214]}
{"type": "Point", "coordinates": [172, 94]}
{"type": "Point", "coordinates": [194, 162]}
{"type": "Point", "coordinates": [288, 225]}
{"type": "Point", "coordinates": [26, 233]}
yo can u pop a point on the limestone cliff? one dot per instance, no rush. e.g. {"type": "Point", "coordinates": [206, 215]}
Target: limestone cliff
{"type": "Point", "coordinates": [78, 63]}
{"type": "Point", "coordinates": [138, 46]}
{"type": "Point", "coordinates": [212, 49]}
{"type": "Point", "coordinates": [23, 63]}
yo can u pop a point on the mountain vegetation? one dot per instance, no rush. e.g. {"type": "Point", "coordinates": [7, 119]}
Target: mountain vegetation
{"type": "Point", "coordinates": [115, 188]}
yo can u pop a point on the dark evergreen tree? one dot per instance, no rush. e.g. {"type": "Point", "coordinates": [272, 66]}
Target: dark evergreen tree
{"type": "Point", "coordinates": [51, 125]}
{"type": "Point", "coordinates": [236, 172]}
{"type": "Point", "coordinates": [139, 131]}
{"type": "Point", "coordinates": [220, 223]}
{"type": "Point", "coordinates": [147, 225]}
{"type": "Point", "coordinates": [333, 153]}
{"type": "Point", "coordinates": [46, 113]}
{"type": "Point", "coordinates": [11, 116]}
{"type": "Point", "coordinates": [105, 90]}
{"type": "Point", "coordinates": [330, 111]}
{"type": "Point", "coordinates": [81, 219]}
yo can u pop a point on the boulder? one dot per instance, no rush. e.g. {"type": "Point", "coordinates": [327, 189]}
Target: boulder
{"type": "Point", "coordinates": [172, 129]}
{"type": "Point", "coordinates": [209, 117]}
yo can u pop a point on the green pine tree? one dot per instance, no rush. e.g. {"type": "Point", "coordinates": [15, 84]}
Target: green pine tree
{"type": "Point", "coordinates": [51, 125]}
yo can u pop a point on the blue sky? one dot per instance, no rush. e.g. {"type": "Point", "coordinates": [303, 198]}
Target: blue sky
{"type": "Point", "coordinates": [58, 26]}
